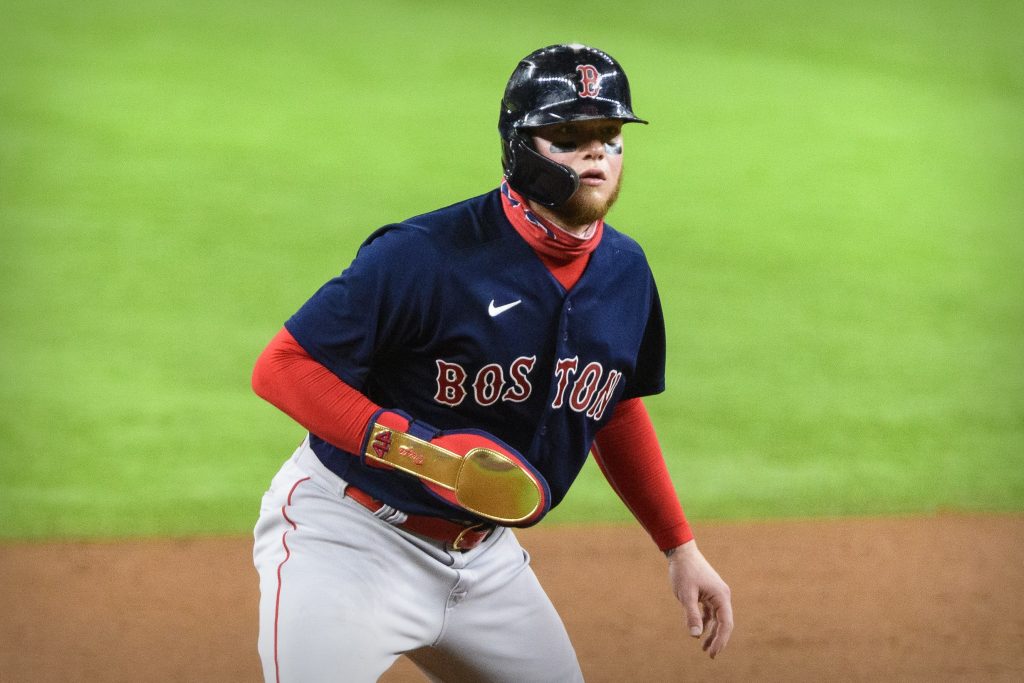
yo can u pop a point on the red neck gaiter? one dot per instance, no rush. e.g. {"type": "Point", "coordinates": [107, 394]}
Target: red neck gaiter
{"type": "Point", "coordinates": [546, 238]}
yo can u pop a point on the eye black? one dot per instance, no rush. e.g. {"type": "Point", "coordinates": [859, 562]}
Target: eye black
{"type": "Point", "coordinates": [559, 147]}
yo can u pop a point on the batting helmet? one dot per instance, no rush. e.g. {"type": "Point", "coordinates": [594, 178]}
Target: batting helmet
{"type": "Point", "coordinates": [555, 84]}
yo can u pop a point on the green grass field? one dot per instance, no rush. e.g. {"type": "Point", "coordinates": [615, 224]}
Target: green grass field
{"type": "Point", "coordinates": [831, 195]}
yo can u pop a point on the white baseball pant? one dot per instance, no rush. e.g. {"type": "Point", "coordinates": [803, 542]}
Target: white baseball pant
{"type": "Point", "coordinates": [343, 594]}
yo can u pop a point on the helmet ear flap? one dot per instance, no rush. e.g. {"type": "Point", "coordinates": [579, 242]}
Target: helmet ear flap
{"type": "Point", "coordinates": [535, 176]}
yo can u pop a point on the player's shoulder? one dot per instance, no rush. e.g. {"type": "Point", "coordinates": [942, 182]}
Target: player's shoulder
{"type": "Point", "coordinates": [462, 224]}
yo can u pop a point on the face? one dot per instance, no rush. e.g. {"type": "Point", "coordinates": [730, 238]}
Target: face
{"type": "Point", "coordinates": [594, 150]}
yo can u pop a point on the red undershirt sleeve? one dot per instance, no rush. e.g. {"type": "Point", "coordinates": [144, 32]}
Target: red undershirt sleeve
{"type": "Point", "coordinates": [289, 378]}
{"type": "Point", "coordinates": [628, 453]}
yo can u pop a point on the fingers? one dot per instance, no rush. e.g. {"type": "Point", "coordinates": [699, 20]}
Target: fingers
{"type": "Point", "coordinates": [711, 617]}
{"type": "Point", "coordinates": [710, 626]}
{"type": "Point", "coordinates": [718, 636]}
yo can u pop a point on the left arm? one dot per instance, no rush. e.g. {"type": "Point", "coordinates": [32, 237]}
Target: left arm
{"type": "Point", "coordinates": [628, 453]}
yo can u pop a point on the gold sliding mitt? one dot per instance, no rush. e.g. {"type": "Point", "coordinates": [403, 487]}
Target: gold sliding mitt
{"type": "Point", "coordinates": [467, 468]}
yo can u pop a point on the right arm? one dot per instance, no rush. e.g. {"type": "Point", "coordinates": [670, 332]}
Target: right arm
{"type": "Point", "coordinates": [494, 481]}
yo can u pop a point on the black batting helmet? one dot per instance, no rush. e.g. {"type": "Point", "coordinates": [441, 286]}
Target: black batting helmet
{"type": "Point", "coordinates": [555, 84]}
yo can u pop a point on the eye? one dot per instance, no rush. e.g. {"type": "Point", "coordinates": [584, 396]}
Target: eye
{"type": "Point", "coordinates": [563, 147]}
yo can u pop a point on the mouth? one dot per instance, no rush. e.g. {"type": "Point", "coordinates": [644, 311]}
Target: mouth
{"type": "Point", "coordinates": [592, 177]}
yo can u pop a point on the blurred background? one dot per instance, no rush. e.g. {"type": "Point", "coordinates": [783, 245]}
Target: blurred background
{"type": "Point", "coordinates": [831, 196]}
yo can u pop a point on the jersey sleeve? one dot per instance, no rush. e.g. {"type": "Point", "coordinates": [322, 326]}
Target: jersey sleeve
{"type": "Point", "coordinates": [649, 376]}
{"type": "Point", "coordinates": [377, 305]}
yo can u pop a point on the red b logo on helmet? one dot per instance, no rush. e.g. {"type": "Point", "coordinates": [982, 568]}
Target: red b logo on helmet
{"type": "Point", "coordinates": [590, 80]}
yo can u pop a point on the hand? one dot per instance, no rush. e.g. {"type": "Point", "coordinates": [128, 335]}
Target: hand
{"type": "Point", "coordinates": [703, 594]}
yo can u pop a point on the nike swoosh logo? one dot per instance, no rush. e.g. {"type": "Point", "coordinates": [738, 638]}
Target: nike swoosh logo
{"type": "Point", "coordinates": [495, 311]}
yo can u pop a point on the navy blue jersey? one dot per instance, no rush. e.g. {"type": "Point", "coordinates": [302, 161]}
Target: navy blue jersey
{"type": "Point", "coordinates": [452, 317]}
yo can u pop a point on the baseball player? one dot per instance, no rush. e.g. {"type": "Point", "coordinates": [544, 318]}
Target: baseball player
{"type": "Point", "coordinates": [453, 380]}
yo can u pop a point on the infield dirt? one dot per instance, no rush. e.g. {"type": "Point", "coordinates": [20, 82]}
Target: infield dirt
{"type": "Point", "coordinates": [922, 599]}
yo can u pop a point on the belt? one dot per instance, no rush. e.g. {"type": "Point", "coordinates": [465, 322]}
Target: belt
{"type": "Point", "coordinates": [456, 536]}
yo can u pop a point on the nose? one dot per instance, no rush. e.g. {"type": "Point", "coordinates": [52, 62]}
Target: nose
{"type": "Point", "coordinates": [593, 149]}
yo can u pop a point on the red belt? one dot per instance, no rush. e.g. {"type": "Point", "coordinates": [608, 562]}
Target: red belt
{"type": "Point", "coordinates": [456, 536]}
